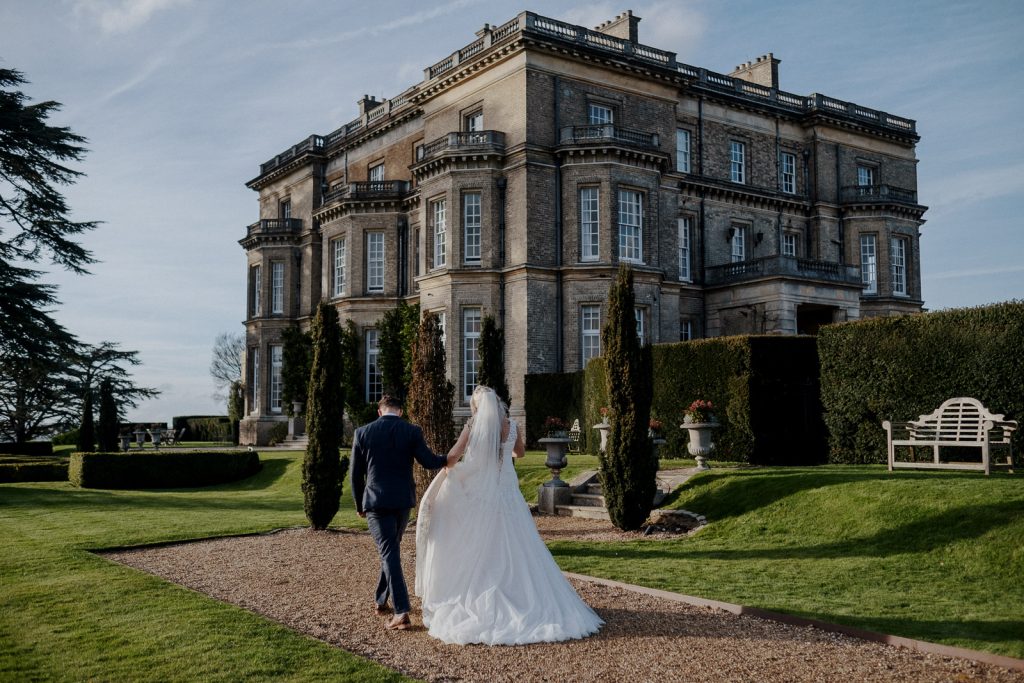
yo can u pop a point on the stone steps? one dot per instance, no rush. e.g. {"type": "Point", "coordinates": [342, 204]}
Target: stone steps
{"type": "Point", "coordinates": [588, 498]}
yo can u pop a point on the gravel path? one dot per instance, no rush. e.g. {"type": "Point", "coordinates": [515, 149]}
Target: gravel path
{"type": "Point", "coordinates": [321, 584]}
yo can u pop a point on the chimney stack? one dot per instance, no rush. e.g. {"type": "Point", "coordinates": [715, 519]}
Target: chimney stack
{"type": "Point", "coordinates": [623, 26]}
{"type": "Point", "coordinates": [764, 71]}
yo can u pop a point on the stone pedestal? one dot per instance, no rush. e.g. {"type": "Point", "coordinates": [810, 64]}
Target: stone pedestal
{"type": "Point", "coordinates": [603, 427]}
{"type": "Point", "coordinates": [550, 497]}
{"type": "Point", "coordinates": [555, 492]}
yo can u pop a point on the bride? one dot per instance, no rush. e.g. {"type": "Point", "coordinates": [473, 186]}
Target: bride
{"type": "Point", "coordinates": [483, 574]}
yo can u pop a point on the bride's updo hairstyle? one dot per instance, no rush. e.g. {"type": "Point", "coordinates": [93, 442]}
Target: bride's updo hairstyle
{"type": "Point", "coordinates": [485, 433]}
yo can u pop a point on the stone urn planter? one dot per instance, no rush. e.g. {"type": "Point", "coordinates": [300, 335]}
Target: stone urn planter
{"type": "Point", "coordinates": [296, 422]}
{"type": "Point", "coordinates": [603, 427]}
{"type": "Point", "coordinates": [701, 445]}
{"type": "Point", "coordinates": [555, 492]}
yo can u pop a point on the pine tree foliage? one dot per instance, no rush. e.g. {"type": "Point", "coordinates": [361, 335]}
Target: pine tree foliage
{"type": "Point", "coordinates": [492, 358]}
{"type": "Point", "coordinates": [87, 428]}
{"type": "Point", "coordinates": [628, 467]}
{"type": "Point", "coordinates": [107, 432]}
{"type": "Point", "coordinates": [34, 218]}
{"type": "Point", "coordinates": [323, 468]}
{"type": "Point", "coordinates": [431, 400]}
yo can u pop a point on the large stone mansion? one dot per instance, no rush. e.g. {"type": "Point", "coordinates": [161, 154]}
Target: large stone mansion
{"type": "Point", "coordinates": [526, 166]}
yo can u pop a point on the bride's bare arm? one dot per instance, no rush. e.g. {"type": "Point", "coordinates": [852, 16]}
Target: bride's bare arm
{"type": "Point", "coordinates": [455, 454]}
{"type": "Point", "coordinates": [519, 449]}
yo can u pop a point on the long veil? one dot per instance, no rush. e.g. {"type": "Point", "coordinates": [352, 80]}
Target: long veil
{"type": "Point", "coordinates": [459, 501]}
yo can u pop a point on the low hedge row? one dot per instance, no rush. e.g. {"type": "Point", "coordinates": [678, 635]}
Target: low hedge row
{"type": "Point", "coordinates": [27, 448]}
{"type": "Point", "coordinates": [904, 367]}
{"type": "Point", "coordinates": [18, 469]}
{"type": "Point", "coordinates": [157, 470]}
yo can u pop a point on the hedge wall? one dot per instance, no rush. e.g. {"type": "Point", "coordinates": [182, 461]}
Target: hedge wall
{"type": "Point", "coordinates": [551, 395]}
{"type": "Point", "coordinates": [27, 448]}
{"type": "Point", "coordinates": [765, 389]}
{"type": "Point", "coordinates": [17, 469]}
{"type": "Point", "coordinates": [157, 470]}
{"type": "Point", "coordinates": [203, 427]}
{"type": "Point", "coordinates": [904, 367]}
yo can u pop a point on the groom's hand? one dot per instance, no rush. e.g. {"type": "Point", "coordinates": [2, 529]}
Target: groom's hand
{"type": "Point", "coordinates": [362, 514]}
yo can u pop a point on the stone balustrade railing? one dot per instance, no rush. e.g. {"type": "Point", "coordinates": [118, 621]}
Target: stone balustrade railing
{"type": "Point", "coordinates": [876, 193]}
{"type": "Point", "coordinates": [780, 266]}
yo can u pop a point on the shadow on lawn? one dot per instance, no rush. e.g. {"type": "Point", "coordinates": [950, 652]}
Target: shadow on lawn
{"type": "Point", "coordinates": [749, 489]}
{"type": "Point", "coordinates": [923, 535]}
{"type": "Point", "coordinates": [989, 631]}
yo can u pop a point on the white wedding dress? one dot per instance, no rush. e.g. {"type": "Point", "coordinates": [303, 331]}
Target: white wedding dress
{"type": "Point", "coordinates": [483, 573]}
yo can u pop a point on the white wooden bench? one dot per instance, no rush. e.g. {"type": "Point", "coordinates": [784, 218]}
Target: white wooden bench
{"type": "Point", "coordinates": [962, 422]}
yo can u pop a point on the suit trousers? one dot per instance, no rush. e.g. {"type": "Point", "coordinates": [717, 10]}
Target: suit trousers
{"type": "Point", "coordinates": [387, 528]}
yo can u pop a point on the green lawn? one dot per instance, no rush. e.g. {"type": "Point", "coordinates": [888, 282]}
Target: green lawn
{"type": "Point", "coordinates": [937, 556]}
{"type": "Point", "coordinates": [66, 614]}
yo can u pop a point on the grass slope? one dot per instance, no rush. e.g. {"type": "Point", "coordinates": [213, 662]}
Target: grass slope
{"type": "Point", "coordinates": [937, 556]}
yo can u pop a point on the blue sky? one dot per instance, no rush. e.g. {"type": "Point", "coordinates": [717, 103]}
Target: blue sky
{"type": "Point", "coordinates": [181, 100]}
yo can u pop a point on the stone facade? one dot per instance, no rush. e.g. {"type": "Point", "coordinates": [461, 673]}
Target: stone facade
{"type": "Point", "coordinates": [525, 167]}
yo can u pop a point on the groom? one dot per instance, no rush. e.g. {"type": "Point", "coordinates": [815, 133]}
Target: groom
{"type": "Point", "coordinates": [384, 492]}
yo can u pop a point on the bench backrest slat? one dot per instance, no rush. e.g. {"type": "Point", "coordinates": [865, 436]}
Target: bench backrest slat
{"type": "Point", "coordinates": [958, 419]}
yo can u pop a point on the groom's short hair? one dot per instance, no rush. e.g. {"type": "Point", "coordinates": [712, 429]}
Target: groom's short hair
{"type": "Point", "coordinates": [387, 401]}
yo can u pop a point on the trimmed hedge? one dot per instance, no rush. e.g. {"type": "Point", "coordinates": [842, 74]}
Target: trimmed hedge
{"type": "Point", "coordinates": [552, 395]}
{"type": "Point", "coordinates": [159, 470]}
{"type": "Point", "coordinates": [203, 427]}
{"type": "Point", "coordinates": [19, 469]}
{"type": "Point", "coordinates": [27, 448]}
{"type": "Point", "coordinates": [904, 367]}
{"type": "Point", "coordinates": [765, 390]}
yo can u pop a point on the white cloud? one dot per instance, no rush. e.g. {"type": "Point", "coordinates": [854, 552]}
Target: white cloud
{"type": "Point", "coordinates": [120, 16]}
{"type": "Point", "coordinates": [673, 26]}
{"type": "Point", "coordinates": [972, 186]}
{"type": "Point", "coordinates": [972, 272]}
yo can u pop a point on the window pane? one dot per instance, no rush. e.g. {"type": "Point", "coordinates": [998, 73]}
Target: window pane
{"type": "Point", "coordinates": [277, 287]}
{"type": "Point", "coordinates": [373, 378]}
{"type": "Point", "coordinates": [338, 274]}
{"type": "Point", "coordinates": [471, 226]}
{"type": "Point", "coordinates": [638, 313]}
{"type": "Point", "coordinates": [377, 173]}
{"type": "Point", "coordinates": [685, 330]}
{"type": "Point", "coordinates": [470, 351]}
{"type": "Point", "coordinates": [598, 114]}
{"type": "Point", "coordinates": [737, 161]}
{"type": "Point", "coordinates": [630, 226]}
{"type": "Point", "coordinates": [869, 264]}
{"type": "Point", "coordinates": [865, 175]}
{"type": "Point", "coordinates": [275, 379]}
{"type": "Point", "coordinates": [257, 290]}
{"type": "Point", "coordinates": [899, 266]}
{"type": "Point", "coordinates": [590, 329]}
{"type": "Point", "coordinates": [684, 249]}
{"type": "Point", "coordinates": [739, 243]}
{"type": "Point", "coordinates": [256, 380]}
{"type": "Point", "coordinates": [440, 233]}
{"type": "Point", "coordinates": [589, 226]}
{"type": "Point", "coordinates": [682, 150]}
{"type": "Point", "coordinates": [375, 261]}
{"type": "Point", "coordinates": [789, 244]}
{"type": "Point", "coordinates": [788, 173]}
{"type": "Point", "coordinates": [475, 122]}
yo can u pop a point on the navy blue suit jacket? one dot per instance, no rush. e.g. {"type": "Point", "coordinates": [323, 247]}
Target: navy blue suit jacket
{"type": "Point", "coordinates": [382, 455]}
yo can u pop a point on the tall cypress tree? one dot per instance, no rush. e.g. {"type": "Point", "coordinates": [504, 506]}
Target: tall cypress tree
{"type": "Point", "coordinates": [323, 469]}
{"type": "Point", "coordinates": [492, 358]}
{"type": "Point", "coordinates": [431, 396]}
{"type": "Point", "coordinates": [107, 433]}
{"type": "Point", "coordinates": [87, 428]}
{"type": "Point", "coordinates": [397, 329]}
{"type": "Point", "coordinates": [296, 361]}
{"type": "Point", "coordinates": [628, 467]}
